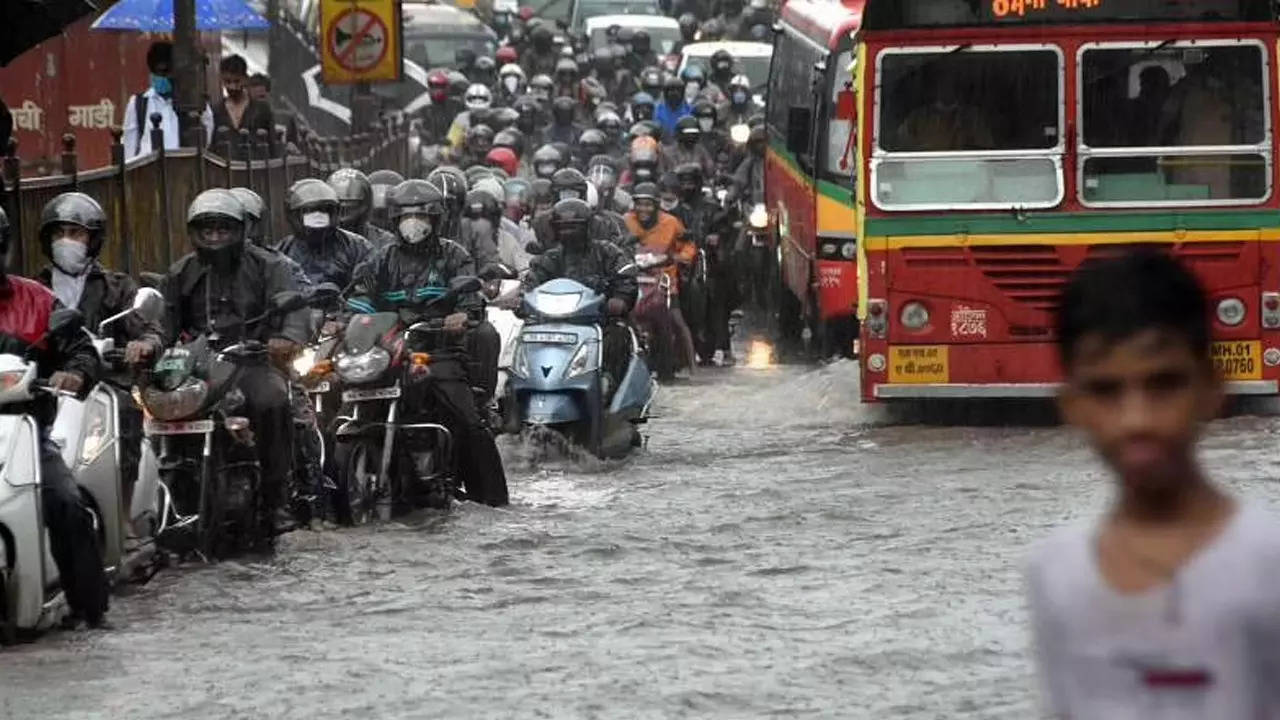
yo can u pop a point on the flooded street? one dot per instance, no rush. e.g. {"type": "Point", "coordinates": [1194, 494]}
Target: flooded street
{"type": "Point", "coordinates": [777, 551]}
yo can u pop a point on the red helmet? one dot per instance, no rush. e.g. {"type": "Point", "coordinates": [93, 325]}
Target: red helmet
{"type": "Point", "coordinates": [504, 158]}
{"type": "Point", "coordinates": [438, 85]}
{"type": "Point", "coordinates": [526, 13]}
{"type": "Point", "coordinates": [507, 54]}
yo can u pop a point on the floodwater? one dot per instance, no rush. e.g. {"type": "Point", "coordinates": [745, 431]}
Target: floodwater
{"type": "Point", "coordinates": [777, 551]}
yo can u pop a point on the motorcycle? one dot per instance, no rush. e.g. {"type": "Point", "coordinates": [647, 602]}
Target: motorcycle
{"type": "Point", "coordinates": [557, 377]}
{"type": "Point", "coordinates": [652, 312]}
{"type": "Point", "coordinates": [89, 435]}
{"type": "Point", "coordinates": [387, 463]}
{"type": "Point", "coordinates": [30, 599]}
{"type": "Point", "coordinates": [208, 452]}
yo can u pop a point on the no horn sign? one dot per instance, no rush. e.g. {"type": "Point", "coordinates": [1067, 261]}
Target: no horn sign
{"type": "Point", "coordinates": [361, 41]}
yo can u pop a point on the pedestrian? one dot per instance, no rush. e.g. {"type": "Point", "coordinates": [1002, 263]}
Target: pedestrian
{"type": "Point", "coordinates": [260, 90]}
{"type": "Point", "coordinates": [1169, 604]}
{"type": "Point", "coordinates": [157, 98]}
{"type": "Point", "coordinates": [238, 110]}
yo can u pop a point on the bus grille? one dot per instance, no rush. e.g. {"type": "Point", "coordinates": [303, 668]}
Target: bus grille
{"type": "Point", "coordinates": [1030, 274]}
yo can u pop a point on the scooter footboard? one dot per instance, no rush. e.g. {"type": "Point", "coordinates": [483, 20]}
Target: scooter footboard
{"type": "Point", "coordinates": [544, 408]}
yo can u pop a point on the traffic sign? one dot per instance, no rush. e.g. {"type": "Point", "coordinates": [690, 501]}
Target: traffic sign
{"type": "Point", "coordinates": [360, 41]}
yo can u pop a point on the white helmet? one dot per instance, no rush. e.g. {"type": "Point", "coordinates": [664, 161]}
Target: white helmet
{"type": "Point", "coordinates": [512, 79]}
{"type": "Point", "coordinates": [478, 97]}
{"type": "Point", "coordinates": [593, 196]}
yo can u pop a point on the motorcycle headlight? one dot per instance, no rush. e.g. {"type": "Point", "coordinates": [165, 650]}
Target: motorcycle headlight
{"type": "Point", "coordinates": [740, 133]}
{"type": "Point", "coordinates": [759, 217]}
{"type": "Point", "coordinates": [97, 437]}
{"type": "Point", "coordinates": [177, 404]}
{"type": "Point", "coordinates": [305, 361]}
{"type": "Point", "coordinates": [583, 361]}
{"type": "Point", "coordinates": [363, 367]}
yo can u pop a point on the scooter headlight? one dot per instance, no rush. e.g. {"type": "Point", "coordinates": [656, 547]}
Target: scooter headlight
{"type": "Point", "coordinates": [185, 401]}
{"type": "Point", "coordinates": [759, 217]}
{"type": "Point", "coordinates": [583, 361]}
{"type": "Point", "coordinates": [364, 367]}
{"type": "Point", "coordinates": [740, 133]}
{"type": "Point", "coordinates": [305, 361]}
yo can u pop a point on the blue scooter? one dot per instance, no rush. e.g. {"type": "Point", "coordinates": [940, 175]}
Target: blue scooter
{"type": "Point", "coordinates": [557, 381]}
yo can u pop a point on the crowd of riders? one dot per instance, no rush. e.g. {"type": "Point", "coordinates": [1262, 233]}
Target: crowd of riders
{"type": "Point", "coordinates": [543, 161]}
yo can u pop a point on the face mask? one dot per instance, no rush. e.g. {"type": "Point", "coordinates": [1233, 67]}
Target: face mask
{"type": "Point", "coordinates": [162, 85]}
{"type": "Point", "coordinates": [691, 91]}
{"type": "Point", "coordinates": [439, 96]}
{"type": "Point", "coordinates": [739, 98]}
{"type": "Point", "coordinates": [546, 169]}
{"type": "Point", "coordinates": [70, 256]}
{"type": "Point", "coordinates": [511, 83]}
{"type": "Point", "coordinates": [669, 204]}
{"type": "Point", "coordinates": [706, 124]}
{"type": "Point", "coordinates": [315, 220]}
{"type": "Point", "coordinates": [414, 229]}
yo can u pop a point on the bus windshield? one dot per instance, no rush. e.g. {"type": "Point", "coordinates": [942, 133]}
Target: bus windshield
{"type": "Point", "coordinates": [1163, 123]}
{"type": "Point", "coordinates": [971, 128]}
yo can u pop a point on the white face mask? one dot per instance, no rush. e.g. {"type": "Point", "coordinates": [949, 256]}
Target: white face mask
{"type": "Point", "coordinates": [739, 98]}
{"type": "Point", "coordinates": [70, 256]}
{"type": "Point", "coordinates": [511, 83]}
{"type": "Point", "coordinates": [706, 124]}
{"type": "Point", "coordinates": [414, 229]}
{"type": "Point", "coordinates": [315, 220]}
{"type": "Point", "coordinates": [691, 91]}
{"type": "Point", "coordinates": [668, 204]}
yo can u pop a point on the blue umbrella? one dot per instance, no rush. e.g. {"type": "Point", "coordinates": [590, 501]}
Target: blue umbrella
{"type": "Point", "coordinates": [157, 16]}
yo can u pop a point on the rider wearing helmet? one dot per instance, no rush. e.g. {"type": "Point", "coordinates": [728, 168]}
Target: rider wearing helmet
{"type": "Point", "coordinates": [721, 70]}
{"type": "Point", "coordinates": [567, 77]}
{"type": "Point", "coordinates": [643, 107]}
{"type": "Point", "coordinates": [712, 30]}
{"type": "Point", "coordinates": [438, 116]}
{"type": "Point", "coordinates": [688, 147]}
{"type": "Point", "coordinates": [731, 17]}
{"type": "Point", "coordinates": [673, 106]}
{"type": "Point", "coordinates": [542, 87]}
{"type": "Point", "coordinates": [401, 278]}
{"type": "Point", "coordinates": [541, 56]}
{"type": "Point", "coordinates": [477, 145]}
{"type": "Point", "coordinates": [452, 184]}
{"type": "Point", "coordinates": [591, 142]}
{"type": "Point", "coordinates": [511, 83]}
{"type": "Point", "coordinates": [642, 54]}
{"type": "Point", "coordinates": [326, 252]}
{"type": "Point", "coordinates": [546, 161]}
{"type": "Point", "coordinates": [479, 99]}
{"type": "Point", "coordinates": [507, 54]}
{"type": "Point", "coordinates": [222, 285]}
{"type": "Point", "coordinates": [531, 120]}
{"type": "Point", "coordinates": [67, 361]}
{"type": "Point", "coordinates": [570, 184]}
{"type": "Point", "coordinates": [644, 160]}
{"type": "Point", "coordinates": [505, 158]}
{"type": "Point", "coordinates": [688, 30]}
{"type": "Point", "coordinates": [661, 233]}
{"type": "Point", "coordinates": [72, 233]}
{"type": "Point", "coordinates": [651, 81]}
{"type": "Point", "coordinates": [382, 181]}
{"type": "Point", "coordinates": [695, 80]}
{"type": "Point", "coordinates": [355, 203]}
{"type": "Point", "coordinates": [563, 127]}
{"type": "Point", "coordinates": [484, 71]}
{"type": "Point", "coordinates": [748, 178]}
{"type": "Point", "coordinates": [741, 103]}
{"type": "Point", "coordinates": [714, 140]}
{"type": "Point", "coordinates": [608, 122]}
{"type": "Point", "coordinates": [577, 254]}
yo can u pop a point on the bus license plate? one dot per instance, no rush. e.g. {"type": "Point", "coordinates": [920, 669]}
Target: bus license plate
{"type": "Point", "coordinates": [919, 364]}
{"type": "Point", "coordinates": [187, 427]}
{"type": "Point", "coordinates": [1238, 359]}
{"type": "Point", "coordinates": [378, 394]}
{"type": "Point", "coordinates": [320, 387]}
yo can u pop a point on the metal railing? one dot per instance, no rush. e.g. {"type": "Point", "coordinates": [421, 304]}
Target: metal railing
{"type": "Point", "coordinates": [146, 198]}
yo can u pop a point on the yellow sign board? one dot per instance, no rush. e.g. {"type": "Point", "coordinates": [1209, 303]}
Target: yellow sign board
{"type": "Point", "coordinates": [918, 364]}
{"type": "Point", "coordinates": [1238, 359]}
{"type": "Point", "coordinates": [360, 41]}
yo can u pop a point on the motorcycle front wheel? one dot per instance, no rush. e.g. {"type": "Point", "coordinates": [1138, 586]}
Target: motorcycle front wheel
{"type": "Point", "coordinates": [353, 501]}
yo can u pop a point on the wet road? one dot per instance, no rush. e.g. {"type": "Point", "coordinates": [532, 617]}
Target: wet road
{"type": "Point", "coordinates": [776, 552]}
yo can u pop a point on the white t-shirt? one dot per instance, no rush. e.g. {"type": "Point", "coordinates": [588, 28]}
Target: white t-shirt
{"type": "Point", "coordinates": [1205, 646]}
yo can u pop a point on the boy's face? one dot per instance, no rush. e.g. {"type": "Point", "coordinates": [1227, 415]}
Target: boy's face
{"type": "Point", "coordinates": [234, 84]}
{"type": "Point", "coordinates": [1141, 401]}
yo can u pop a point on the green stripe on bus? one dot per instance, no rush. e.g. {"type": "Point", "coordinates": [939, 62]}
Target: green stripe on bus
{"type": "Point", "coordinates": [1072, 222]}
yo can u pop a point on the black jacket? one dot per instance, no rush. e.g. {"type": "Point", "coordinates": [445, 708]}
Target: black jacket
{"type": "Point", "coordinates": [108, 293]}
{"type": "Point", "coordinates": [598, 266]}
{"type": "Point", "coordinates": [377, 237]}
{"type": "Point", "coordinates": [25, 309]}
{"type": "Point", "coordinates": [192, 287]}
{"type": "Point", "coordinates": [480, 239]}
{"type": "Point", "coordinates": [600, 228]}
{"type": "Point", "coordinates": [398, 277]}
{"type": "Point", "coordinates": [332, 259]}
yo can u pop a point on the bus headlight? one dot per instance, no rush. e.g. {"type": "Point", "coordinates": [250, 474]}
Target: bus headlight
{"type": "Point", "coordinates": [848, 250]}
{"type": "Point", "coordinates": [1231, 311]}
{"type": "Point", "coordinates": [914, 316]}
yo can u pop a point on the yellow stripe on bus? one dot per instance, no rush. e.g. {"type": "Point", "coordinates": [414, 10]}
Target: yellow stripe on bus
{"type": "Point", "coordinates": [1110, 238]}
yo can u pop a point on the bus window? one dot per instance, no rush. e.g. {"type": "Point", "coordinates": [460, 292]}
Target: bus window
{"type": "Point", "coordinates": [1170, 124]}
{"type": "Point", "coordinates": [791, 101]}
{"type": "Point", "coordinates": [841, 123]}
{"type": "Point", "coordinates": [975, 128]}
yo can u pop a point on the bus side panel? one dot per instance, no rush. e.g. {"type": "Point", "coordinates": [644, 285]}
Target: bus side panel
{"type": "Point", "coordinates": [789, 194]}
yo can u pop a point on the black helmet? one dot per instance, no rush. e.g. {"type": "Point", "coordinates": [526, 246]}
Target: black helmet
{"type": "Point", "coordinates": [458, 83]}
{"type": "Point", "coordinates": [482, 204]}
{"type": "Point", "coordinates": [592, 142]}
{"type": "Point", "coordinates": [220, 208]}
{"type": "Point", "coordinates": [567, 67]}
{"type": "Point", "coordinates": [712, 30]}
{"type": "Point", "coordinates": [570, 218]}
{"type": "Point", "coordinates": [651, 80]}
{"type": "Point", "coordinates": [645, 191]}
{"type": "Point", "coordinates": [479, 139]}
{"type": "Point", "coordinates": [569, 183]}
{"type": "Point", "coordinates": [503, 118]}
{"type": "Point", "coordinates": [610, 122]}
{"type": "Point", "coordinates": [704, 109]}
{"type": "Point", "coordinates": [688, 26]}
{"type": "Point", "coordinates": [563, 109]}
{"type": "Point", "coordinates": [673, 85]}
{"type": "Point", "coordinates": [602, 59]}
{"type": "Point", "coordinates": [546, 161]}
{"type": "Point", "coordinates": [452, 185]}
{"type": "Point", "coordinates": [417, 198]}
{"type": "Point", "coordinates": [355, 197]}
{"type": "Point", "coordinates": [385, 177]}
{"type": "Point", "coordinates": [475, 174]}
{"type": "Point", "coordinates": [255, 209]}
{"type": "Point", "coordinates": [73, 208]}
{"type": "Point", "coordinates": [512, 139]}
{"type": "Point", "coordinates": [625, 35]}
{"type": "Point", "coordinates": [604, 176]}
{"type": "Point", "coordinates": [690, 177]}
{"type": "Point", "coordinates": [687, 129]}
{"type": "Point", "coordinates": [308, 197]}
{"type": "Point", "coordinates": [540, 192]}
{"type": "Point", "coordinates": [640, 43]}
{"type": "Point", "coordinates": [721, 62]}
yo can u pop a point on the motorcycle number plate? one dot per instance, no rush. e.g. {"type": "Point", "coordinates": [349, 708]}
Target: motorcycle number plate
{"type": "Point", "coordinates": [550, 338]}
{"type": "Point", "coordinates": [378, 394]}
{"type": "Point", "coordinates": [188, 427]}
{"type": "Point", "coordinates": [320, 387]}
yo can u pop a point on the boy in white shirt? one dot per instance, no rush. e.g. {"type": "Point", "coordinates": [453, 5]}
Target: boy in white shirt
{"type": "Point", "coordinates": [1169, 605]}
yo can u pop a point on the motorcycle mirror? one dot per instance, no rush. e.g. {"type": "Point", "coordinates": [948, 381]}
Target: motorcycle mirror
{"type": "Point", "coordinates": [151, 279]}
{"type": "Point", "coordinates": [288, 301]}
{"type": "Point", "coordinates": [64, 321]}
{"type": "Point", "coordinates": [148, 304]}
